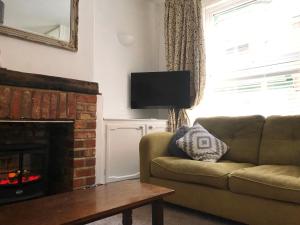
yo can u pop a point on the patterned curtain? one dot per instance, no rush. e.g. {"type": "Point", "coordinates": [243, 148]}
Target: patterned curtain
{"type": "Point", "coordinates": [185, 50]}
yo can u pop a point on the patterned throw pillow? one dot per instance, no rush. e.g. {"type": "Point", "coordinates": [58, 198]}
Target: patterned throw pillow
{"type": "Point", "coordinates": [199, 144]}
{"type": "Point", "coordinates": [173, 149]}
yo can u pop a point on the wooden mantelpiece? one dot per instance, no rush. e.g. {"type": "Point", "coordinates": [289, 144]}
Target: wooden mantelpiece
{"type": "Point", "coordinates": [29, 80]}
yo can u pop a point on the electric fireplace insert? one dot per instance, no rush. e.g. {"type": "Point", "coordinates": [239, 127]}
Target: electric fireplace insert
{"type": "Point", "coordinates": [23, 172]}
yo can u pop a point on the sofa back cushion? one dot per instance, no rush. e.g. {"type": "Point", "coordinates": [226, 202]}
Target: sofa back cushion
{"type": "Point", "coordinates": [241, 134]}
{"type": "Point", "coordinates": [281, 141]}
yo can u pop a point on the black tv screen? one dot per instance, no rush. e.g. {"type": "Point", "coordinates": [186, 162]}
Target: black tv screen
{"type": "Point", "coordinates": [160, 90]}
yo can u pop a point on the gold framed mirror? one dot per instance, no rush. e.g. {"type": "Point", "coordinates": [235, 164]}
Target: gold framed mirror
{"type": "Point", "coordinates": [50, 22]}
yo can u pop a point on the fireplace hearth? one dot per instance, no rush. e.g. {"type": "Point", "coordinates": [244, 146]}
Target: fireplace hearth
{"type": "Point", "coordinates": [23, 172]}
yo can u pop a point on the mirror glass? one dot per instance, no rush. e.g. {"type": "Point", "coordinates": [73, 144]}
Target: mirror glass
{"type": "Point", "coordinates": [51, 22]}
{"type": "Point", "coordinates": [50, 18]}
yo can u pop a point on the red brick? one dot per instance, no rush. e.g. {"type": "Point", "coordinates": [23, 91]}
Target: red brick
{"type": "Point", "coordinates": [26, 104]}
{"type": "Point", "coordinates": [53, 105]}
{"type": "Point", "coordinates": [36, 105]}
{"type": "Point", "coordinates": [90, 162]}
{"type": "Point", "coordinates": [62, 112]}
{"type": "Point", "coordinates": [85, 172]}
{"type": "Point", "coordinates": [86, 107]}
{"type": "Point", "coordinates": [77, 183]}
{"type": "Point", "coordinates": [86, 98]}
{"type": "Point", "coordinates": [90, 180]}
{"type": "Point", "coordinates": [85, 124]}
{"type": "Point", "coordinates": [80, 107]}
{"type": "Point", "coordinates": [84, 162]}
{"type": "Point", "coordinates": [79, 144]}
{"type": "Point", "coordinates": [86, 116]}
{"type": "Point", "coordinates": [84, 134]}
{"type": "Point", "coordinates": [77, 154]}
{"type": "Point", "coordinates": [84, 143]}
{"type": "Point", "coordinates": [15, 106]}
{"type": "Point", "coordinates": [92, 108]}
{"type": "Point", "coordinates": [45, 106]}
{"type": "Point", "coordinates": [83, 153]}
{"type": "Point", "coordinates": [5, 95]}
{"type": "Point", "coordinates": [71, 108]}
{"type": "Point", "coordinates": [90, 153]}
{"type": "Point", "coordinates": [77, 163]}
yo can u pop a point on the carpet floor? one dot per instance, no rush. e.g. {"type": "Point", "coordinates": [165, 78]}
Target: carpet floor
{"type": "Point", "coordinates": [173, 215]}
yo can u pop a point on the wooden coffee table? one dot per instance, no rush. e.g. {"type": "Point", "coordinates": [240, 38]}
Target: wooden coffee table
{"type": "Point", "coordinates": [85, 206]}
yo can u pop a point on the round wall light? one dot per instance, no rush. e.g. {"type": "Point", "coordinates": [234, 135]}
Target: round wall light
{"type": "Point", "coordinates": [126, 39]}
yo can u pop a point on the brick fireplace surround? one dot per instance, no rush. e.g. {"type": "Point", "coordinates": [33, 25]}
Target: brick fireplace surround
{"type": "Point", "coordinates": [32, 97]}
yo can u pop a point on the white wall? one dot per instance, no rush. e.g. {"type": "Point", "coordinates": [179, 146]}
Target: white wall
{"type": "Point", "coordinates": [36, 58]}
{"type": "Point", "coordinates": [114, 62]}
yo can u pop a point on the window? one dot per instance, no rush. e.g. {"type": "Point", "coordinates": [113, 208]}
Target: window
{"type": "Point", "coordinates": [253, 58]}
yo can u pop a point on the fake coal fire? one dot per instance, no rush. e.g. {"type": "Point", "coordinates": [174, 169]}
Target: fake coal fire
{"type": "Point", "coordinates": [22, 172]}
{"type": "Point", "coordinates": [14, 178]}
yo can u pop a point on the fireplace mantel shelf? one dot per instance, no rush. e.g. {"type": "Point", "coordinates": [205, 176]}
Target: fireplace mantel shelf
{"type": "Point", "coordinates": [29, 80]}
{"type": "Point", "coordinates": [36, 121]}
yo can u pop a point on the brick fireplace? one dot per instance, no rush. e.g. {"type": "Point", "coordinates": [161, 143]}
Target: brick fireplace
{"type": "Point", "coordinates": [58, 113]}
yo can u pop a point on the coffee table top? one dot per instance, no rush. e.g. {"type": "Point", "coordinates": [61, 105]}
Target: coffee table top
{"type": "Point", "coordinates": [83, 205]}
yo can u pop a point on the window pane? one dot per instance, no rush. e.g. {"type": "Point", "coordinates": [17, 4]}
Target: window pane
{"type": "Point", "coordinates": [253, 56]}
{"type": "Point", "coordinates": [255, 34]}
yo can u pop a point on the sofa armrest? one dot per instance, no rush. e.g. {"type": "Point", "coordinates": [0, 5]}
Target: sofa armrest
{"type": "Point", "coordinates": [152, 146]}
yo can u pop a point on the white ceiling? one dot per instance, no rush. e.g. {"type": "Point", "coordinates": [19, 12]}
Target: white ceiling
{"type": "Point", "coordinates": [32, 13]}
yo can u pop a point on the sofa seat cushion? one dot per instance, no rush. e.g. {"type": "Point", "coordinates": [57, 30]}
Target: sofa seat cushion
{"type": "Point", "coordinates": [277, 182]}
{"type": "Point", "coordinates": [200, 172]}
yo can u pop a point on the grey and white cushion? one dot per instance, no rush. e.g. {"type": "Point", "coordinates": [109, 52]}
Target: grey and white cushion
{"type": "Point", "coordinates": [199, 144]}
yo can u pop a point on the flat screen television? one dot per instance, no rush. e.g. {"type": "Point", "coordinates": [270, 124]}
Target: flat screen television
{"type": "Point", "coordinates": [160, 90]}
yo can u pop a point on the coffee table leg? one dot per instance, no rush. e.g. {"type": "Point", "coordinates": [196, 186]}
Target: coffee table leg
{"type": "Point", "coordinates": [157, 212]}
{"type": "Point", "coordinates": [127, 217]}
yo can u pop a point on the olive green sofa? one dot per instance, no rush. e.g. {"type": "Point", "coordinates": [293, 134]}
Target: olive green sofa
{"type": "Point", "coordinates": [257, 182]}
